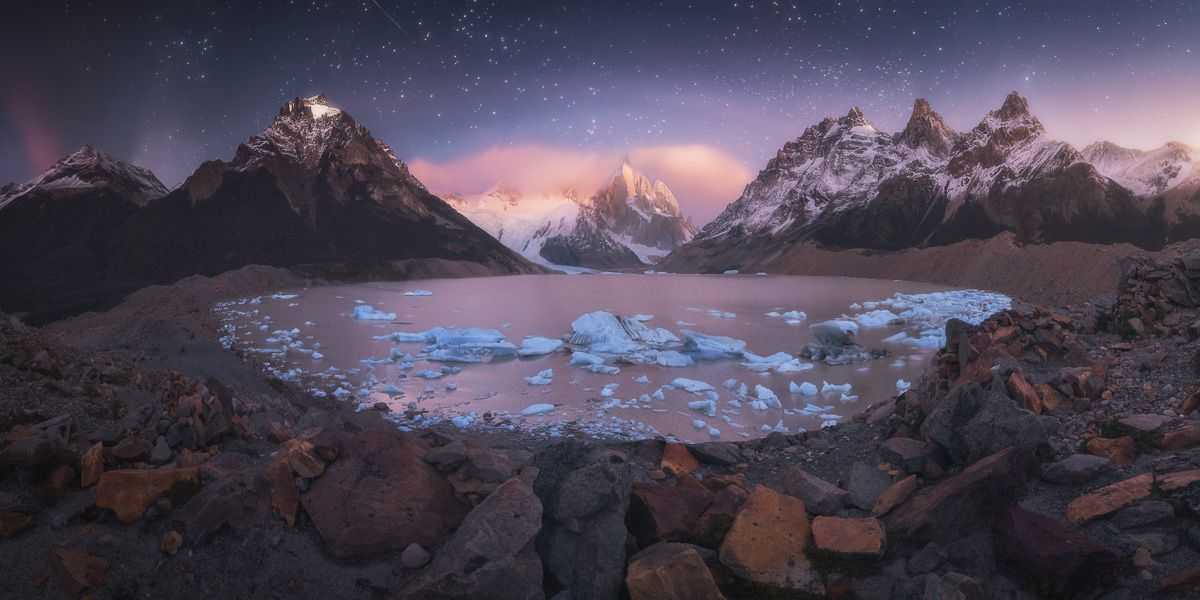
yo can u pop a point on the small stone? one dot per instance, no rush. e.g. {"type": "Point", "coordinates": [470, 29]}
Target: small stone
{"type": "Point", "coordinates": [1075, 469]}
{"type": "Point", "coordinates": [1158, 543]}
{"type": "Point", "coordinates": [171, 542]}
{"type": "Point", "coordinates": [91, 465]}
{"type": "Point", "coordinates": [1120, 451]}
{"type": "Point", "coordinates": [867, 483]}
{"type": "Point", "coordinates": [414, 557]}
{"type": "Point", "coordinates": [161, 453]}
{"type": "Point", "coordinates": [677, 459]}
{"type": "Point", "coordinates": [896, 494]}
{"type": "Point", "coordinates": [131, 449]}
{"type": "Point", "coordinates": [1142, 425]}
{"type": "Point", "coordinates": [849, 538]}
{"type": "Point", "coordinates": [926, 560]}
{"type": "Point", "coordinates": [1142, 558]}
{"type": "Point", "coordinates": [1110, 498]}
{"type": "Point", "coordinates": [1143, 513]}
{"type": "Point", "coordinates": [656, 474]}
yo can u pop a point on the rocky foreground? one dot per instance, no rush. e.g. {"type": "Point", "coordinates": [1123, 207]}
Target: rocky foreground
{"type": "Point", "coordinates": [1046, 454]}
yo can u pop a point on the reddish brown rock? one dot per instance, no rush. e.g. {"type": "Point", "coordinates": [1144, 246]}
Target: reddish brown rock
{"type": "Point", "coordinates": [380, 496]}
{"type": "Point", "coordinates": [942, 510]}
{"type": "Point", "coordinates": [1183, 581]}
{"type": "Point", "coordinates": [129, 492]}
{"type": "Point", "coordinates": [60, 481]}
{"type": "Point", "coordinates": [678, 460]}
{"type": "Point", "coordinates": [1190, 404]}
{"type": "Point", "coordinates": [91, 465]}
{"type": "Point", "coordinates": [285, 498]}
{"type": "Point", "coordinates": [661, 513]}
{"type": "Point", "coordinates": [171, 542]}
{"type": "Point", "coordinates": [719, 516]}
{"type": "Point", "coordinates": [302, 458]}
{"type": "Point", "coordinates": [669, 571]}
{"type": "Point", "coordinates": [768, 543]}
{"type": "Point", "coordinates": [849, 538]}
{"type": "Point", "coordinates": [1062, 560]}
{"type": "Point", "coordinates": [1178, 480]}
{"type": "Point", "coordinates": [131, 449]}
{"type": "Point", "coordinates": [1121, 451]}
{"type": "Point", "coordinates": [894, 496]}
{"type": "Point", "coordinates": [75, 571]}
{"type": "Point", "coordinates": [1049, 397]}
{"type": "Point", "coordinates": [1110, 498]}
{"type": "Point", "coordinates": [13, 522]}
{"type": "Point", "coordinates": [1180, 439]}
{"type": "Point", "coordinates": [1024, 393]}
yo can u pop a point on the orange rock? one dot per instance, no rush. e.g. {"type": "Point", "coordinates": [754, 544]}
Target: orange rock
{"type": "Point", "coordinates": [171, 542]}
{"type": "Point", "coordinates": [1050, 397]}
{"type": "Point", "coordinates": [76, 571]}
{"type": "Point", "coordinates": [669, 571]}
{"type": "Point", "coordinates": [1003, 334]}
{"type": "Point", "coordinates": [849, 537]}
{"type": "Point", "coordinates": [1183, 581]}
{"type": "Point", "coordinates": [303, 459]}
{"type": "Point", "coordinates": [60, 480]}
{"type": "Point", "coordinates": [91, 465]}
{"type": "Point", "coordinates": [1110, 498]}
{"type": "Point", "coordinates": [285, 498]}
{"type": "Point", "coordinates": [127, 492]}
{"type": "Point", "coordinates": [1024, 393]}
{"type": "Point", "coordinates": [768, 542]}
{"type": "Point", "coordinates": [1178, 480]}
{"type": "Point", "coordinates": [12, 523]}
{"type": "Point", "coordinates": [678, 459]}
{"type": "Point", "coordinates": [1120, 450]}
{"type": "Point", "coordinates": [1187, 437]}
{"type": "Point", "coordinates": [894, 495]}
{"type": "Point", "coordinates": [1190, 404]}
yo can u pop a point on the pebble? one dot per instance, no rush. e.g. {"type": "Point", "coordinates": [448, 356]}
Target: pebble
{"type": "Point", "coordinates": [414, 557]}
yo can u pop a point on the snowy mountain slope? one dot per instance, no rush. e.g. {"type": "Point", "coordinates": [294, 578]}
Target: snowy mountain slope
{"type": "Point", "coordinates": [87, 170]}
{"type": "Point", "coordinates": [1144, 172]}
{"type": "Point", "coordinates": [843, 183]}
{"type": "Point", "coordinates": [630, 222]}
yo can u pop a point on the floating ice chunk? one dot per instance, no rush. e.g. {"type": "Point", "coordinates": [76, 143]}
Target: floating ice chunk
{"type": "Point", "coordinates": [481, 352]}
{"type": "Point", "coordinates": [712, 347]}
{"type": "Point", "coordinates": [708, 407]}
{"type": "Point", "coordinates": [317, 355]}
{"type": "Point", "coordinates": [758, 405]}
{"type": "Point", "coordinates": [672, 358]}
{"type": "Point", "coordinates": [543, 377]}
{"type": "Point", "coordinates": [537, 409]}
{"type": "Point", "coordinates": [282, 296]}
{"type": "Point", "coordinates": [642, 379]}
{"type": "Point", "coordinates": [804, 389]}
{"type": "Point", "coordinates": [604, 332]}
{"type": "Point", "coordinates": [714, 433]}
{"type": "Point", "coordinates": [831, 388]}
{"type": "Point", "coordinates": [743, 390]}
{"type": "Point", "coordinates": [767, 396]}
{"type": "Point", "coordinates": [730, 384]}
{"type": "Point", "coordinates": [720, 314]}
{"type": "Point", "coordinates": [429, 374]}
{"type": "Point", "coordinates": [450, 387]}
{"type": "Point", "coordinates": [774, 314]}
{"type": "Point", "coordinates": [608, 390]}
{"type": "Point", "coordinates": [584, 359]}
{"type": "Point", "coordinates": [341, 392]}
{"type": "Point", "coordinates": [848, 398]}
{"type": "Point", "coordinates": [658, 394]}
{"type": "Point", "coordinates": [418, 293]}
{"type": "Point", "coordinates": [876, 318]}
{"type": "Point", "coordinates": [730, 272]}
{"type": "Point", "coordinates": [642, 317]}
{"type": "Point", "coordinates": [692, 385]}
{"type": "Point", "coordinates": [795, 315]}
{"type": "Point", "coordinates": [366, 312]}
{"type": "Point", "coordinates": [538, 346]}
{"type": "Point", "coordinates": [699, 424]}
{"type": "Point", "coordinates": [793, 366]}
{"type": "Point", "coordinates": [902, 386]}
{"type": "Point", "coordinates": [463, 421]}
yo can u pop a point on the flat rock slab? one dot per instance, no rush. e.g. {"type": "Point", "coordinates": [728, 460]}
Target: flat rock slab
{"type": "Point", "coordinates": [128, 492]}
{"type": "Point", "coordinates": [943, 509]}
{"type": "Point", "coordinates": [670, 571]}
{"type": "Point", "coordinates": [894, 496]}
{"type": "Point", "coordinates": [820, 496]}
{"type": "Point", "coordinates": [1110, 498]}
{"type": "Point", "coordinates": [1121, 451]}
{"type": "Point", "coordinates": [1075, 469]}
{"type": "Point", "coordinates": [768, 543]}
{"type": "Point", "coordinates": [849, 538]}
{"type": "Point", "coordinates": [677, 459]}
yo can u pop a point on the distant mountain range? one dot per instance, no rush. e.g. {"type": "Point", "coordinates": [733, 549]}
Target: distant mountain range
{"type": "Point", "coordinates": [630, 222]}
{"type": "Point", "coordinates": [845, 184]}
{"type": "Point", "coordinates": [314, 188]}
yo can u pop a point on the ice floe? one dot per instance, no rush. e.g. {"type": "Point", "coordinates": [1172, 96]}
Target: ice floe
{"type": "Point", "coordinates": [537, 409]}
{"type": "Point", "coordinates": [418, 293]}
{"type": "Point", "coordinates": [543, 377]}
{"type": "Point", "coordinates": [538, 346]}
{"type": "Point", "coordinates": [366, 312]}
{"type": "Point", "coordinates": [804, 389]}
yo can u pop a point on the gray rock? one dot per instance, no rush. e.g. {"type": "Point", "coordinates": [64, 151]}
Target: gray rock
{"type": "Point", "coordinates": [867, 482]}
{"type": "Point", "coordinates": [971, 423]}
{"type": "Point", "coordinates": [161, 453]}
{"type": "Point", "coordinates": [1143, 513]}
{"type": "Point", "coordinates": [1159, 543]}
{"type": "Point", "coordinates": [1075, 469]}
{"type": "Point", "coordinates": [926, 560]}
{"type": "Point", "coordinates": [906, 453]}
{"type": "Point", "coordinates": [448, 457]}
{"type": "Point", "coordinates": [717, 453]}
{"type": "Point", "coordinates": [820, 497]}
{"type": "Point", "coordinates": [876, 587]}
{"type": "Point", "coordinates": [414, 557]}
{"type": "Point", "coordinates": [952, 586]}
{"type": "Point", "coordinates": [491, 555]}
{"type": "Point", "coordinates": [829, 333]}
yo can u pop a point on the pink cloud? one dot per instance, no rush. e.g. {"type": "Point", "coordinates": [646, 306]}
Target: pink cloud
{"type": "Point", "coordinates": [704, 178]}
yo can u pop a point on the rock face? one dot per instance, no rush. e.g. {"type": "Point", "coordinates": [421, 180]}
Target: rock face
{"type": "Point", "coordinates": [670, 571]}
{"type": "Point", "coordinates": [1063, 561]}
{"type": "Point", "coordinates": [845, 184]}
{"type": "Point", "coordinates": [314, 188]}
{"type": "Point", "coordinates": [971, 423]}
{"type": "Point", "coordinates": [768, 543]}
{"type": "Point", "coordinates": [630, 222]}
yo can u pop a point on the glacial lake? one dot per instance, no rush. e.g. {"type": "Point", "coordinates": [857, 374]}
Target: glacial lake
{"type": "Point", "coordinates": [694, 357]}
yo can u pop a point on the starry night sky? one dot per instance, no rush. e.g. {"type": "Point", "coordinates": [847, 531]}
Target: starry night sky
{"type": "Point", "coordinates": [454, 84]}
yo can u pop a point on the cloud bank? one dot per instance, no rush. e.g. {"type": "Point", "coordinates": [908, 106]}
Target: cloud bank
{"type": "Point", "coordinates": [704, 178]}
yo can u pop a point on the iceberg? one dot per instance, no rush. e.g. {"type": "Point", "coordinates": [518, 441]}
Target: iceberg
{"type": "Point", "coordinates": [538, 346]}
{"type": "Point", "coordinates": [537, 409]}
{"type": "Point", "coordinates": [366, 312]}
{"type": "Point", "coordinates": [481, 352]}
{"type": "Point", "coordinates": [606, 333]}
{"type": "Point", "coordinates": [767, 397]}
{"type": "Point", "coordinates": [876, 318]}
{"type": "Point", "coordinates": [902, 386]}
{"type": "Point", "coordinates": [830, 388]}
{"type": "Point", "coordinates": [712, 347]}
{"type": "Point", "coordinates": [804, 389]}
{"type": "Point", "coordinates": [708, 407]}
{"type": "Point", "coordinates": [642, 379]}
{"type": "Point", "coordinates": [692, 385]}
{"type": "Point", "coordinates": [543, 377]}
{"type": "Point", "coordinates": [672, 358]}
{"type": "Point", "coordinates": [418, 293]}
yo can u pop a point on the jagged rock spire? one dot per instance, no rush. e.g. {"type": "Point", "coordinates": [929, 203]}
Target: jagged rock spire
{"type": "Point", "coordinates": [1015, 106]}
{"type": "Point", "coordinates": [926, 129]}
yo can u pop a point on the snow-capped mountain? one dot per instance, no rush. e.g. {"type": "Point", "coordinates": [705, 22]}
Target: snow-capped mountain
{"type": "Point", "coordinates": [55, 229]}
{"type": "Point", "coordinates": [843, 183]}
{"type": "Point", "coordinates": [314, 187]}
{"type": "Point", "coordinates": [1144, 172]}
{"type": "Point", "coordinates": [630, 222]}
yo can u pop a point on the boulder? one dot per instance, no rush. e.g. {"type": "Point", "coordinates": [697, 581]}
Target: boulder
{"type": "Point", "coordinates": [1024, 393]}
{"type": "Point", "coordinates": [1146, 512]}
{"type": "Point", "coordinates": [661, 513]}
{"type": "Point", "coordinates": [585, 490]}
{"type": "Point", "coordinates": [131, 449]}
{"type": "Point", "coordinates": [894, 495]}
{"type": "Point", "coordinates": [1075, 469]}
{"type": "Point", "coordinates": [1110, 498]}
{"type": "Point", "coordinates": [971, 423]}
{"type": "Point", "coordinates": [716, 520]}
{"type": "Point", "coordinates": [380, 496]}
{"type": "Point", "coordinates": [1121, 451]}
{"type": "Point", "coordinates": [678, 460]}
{"type": "Point", "coordinates": [820, 496]}
{"type": "Point", "coordinates": [491, 555]}
{"type": "Point", "coordinates": [947, 508]}
{"type": "Point", "coordinates": [768, 543]}
{"type": "Point", "coordinates": [235, 497]}
{"type": "Point", "coordinates": [285, 496]}
{"type": "Point", "coordinates": [1143, 426]}
{"type": "Point", "coordinates": [1061, 560]}
{"type": "Point", "coordinates": [75, 571]}
{"type": "Point", "coordinates": [1180, 439]}
{"type": "Point", "coordinates": [1184, 581]}
{"type": "Point", "coordinates": [670, 571]}
{"type": "Point", "coordinates": [906, 453]}
{"type": "Point", "coordinates": [722, 454]}
{"type": "Point", "coordinates": [952, 586]}
{"type": "Point", "coordinates": [849, 538]}
{"type": "Point", "coordinates": [91, 465]}
{"type": "Point", "coordinates": [414, 557]}
{"type": "Point", "coordinates": [42, 444]}
{"type": "Point", "coordinates": [866, 484]}
{"type": "Point", "coordinates": [129, 492]}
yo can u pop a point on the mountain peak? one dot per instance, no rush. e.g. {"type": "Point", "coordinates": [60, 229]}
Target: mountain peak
{"type": "Point", "coordinates": [312, 107]}
{"type": "Point", "coordinates": [855, 118]}
{"type": "Point", "coordinates": [1015, 106]}
{"type": "Point", "coordinates": [926, 129]}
